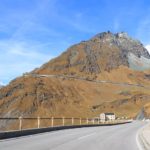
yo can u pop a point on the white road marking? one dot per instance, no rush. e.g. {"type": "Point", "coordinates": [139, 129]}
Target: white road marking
{"type": "Point", "coordinates": [138, 142]}
{"type": "Point", "coordinates": [140, 145]}
{"type": "Point", "coordinates": [86, 136]}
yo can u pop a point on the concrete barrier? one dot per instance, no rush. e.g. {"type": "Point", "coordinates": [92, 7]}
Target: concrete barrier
{"type": "Point", "coordinates": [14, 134]}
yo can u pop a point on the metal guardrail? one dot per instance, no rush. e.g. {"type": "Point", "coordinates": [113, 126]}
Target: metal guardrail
{"type": "Point", "coordinates": [60, 121]}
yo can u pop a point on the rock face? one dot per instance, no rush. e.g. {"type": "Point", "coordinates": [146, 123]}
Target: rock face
{"type": "Point", "coordinates": [126, 43]}
{"type": "Point", "coordinates": [103, 52]}
{"type": "Point", "coordinates": [69, 84]}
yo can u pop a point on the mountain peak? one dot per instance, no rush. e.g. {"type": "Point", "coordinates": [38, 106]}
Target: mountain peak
{"type": "Point", "coordinates": [123, 41]}
{"type": "Point", "coordinates": [104, 52]}
{"type": "Point", "coordinates": [122, 35]}
{"type": "Point", "coordinates": [110, 34]}
{"type": "Point", "coordinates": [103, 34]}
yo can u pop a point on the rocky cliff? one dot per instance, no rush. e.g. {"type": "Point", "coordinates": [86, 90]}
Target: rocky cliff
{"type": "Point", "coordinates": [103, 52]}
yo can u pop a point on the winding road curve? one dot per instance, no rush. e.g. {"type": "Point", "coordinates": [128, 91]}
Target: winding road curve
{"type": "Point", "coordinates": [85, 79]}
{"type": "Point", "coordinates": [118, 137]}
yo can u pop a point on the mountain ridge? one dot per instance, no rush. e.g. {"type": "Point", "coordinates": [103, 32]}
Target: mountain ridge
{"type": "Point", "coordinates": [104, 51]}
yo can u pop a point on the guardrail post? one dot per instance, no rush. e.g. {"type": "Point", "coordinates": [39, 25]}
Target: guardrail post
{"type": "Point", "coordinates": [93, 121]}
{"type": "Point", "coordinates": [72, 121]}
{"type": "Point", "coordinates": [87, 121]}
{"type": "Point", "coordinates": [80, 121]}
{"type": "Point", "coordinates": [52, 122]}
{"type": "Point", "coordinates": [63, 121]}
{"type": "Point", "coordinates": [20, 123]}
{"type": "Point", "coordinates": [38, 122]}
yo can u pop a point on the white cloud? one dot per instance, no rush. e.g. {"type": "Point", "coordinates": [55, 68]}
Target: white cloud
{"type": "Point", "coordinates": [1, 83]}
{"type": "Point", "coordinates": [148, 48]}
{"type": "Point", "coordinates": [143, 30]}
{"type": "Point", "coordinates": [27, 45]}
{"type": "Point", "coordinates": [116, 25]}
{"type": "Point", "coordinates": [19, 57]}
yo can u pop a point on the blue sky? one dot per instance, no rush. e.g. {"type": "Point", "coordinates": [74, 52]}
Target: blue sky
{"type": "Point", "coordinates": [34, 31]}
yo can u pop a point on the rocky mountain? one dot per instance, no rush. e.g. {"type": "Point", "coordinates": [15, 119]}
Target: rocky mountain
{"type": "Point", "coordinates": [103, 52]}
{"type": "Point", "coordinates": [109, 72]}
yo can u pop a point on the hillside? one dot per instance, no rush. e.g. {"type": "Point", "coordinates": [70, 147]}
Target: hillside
{"type": "Point", "coordinates": [109, 72]}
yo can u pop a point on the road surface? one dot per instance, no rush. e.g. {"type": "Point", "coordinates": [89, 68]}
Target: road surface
{"type": "Point", "coordinates": [119, 137]}
{"type": "Point", "coordinates": [85, 79]}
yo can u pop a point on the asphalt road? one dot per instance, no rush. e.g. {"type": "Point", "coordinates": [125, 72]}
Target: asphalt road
{"type": "Point", "coordinates": [119, 137]}
{"type": "Point", "coordinates": [84, 79]}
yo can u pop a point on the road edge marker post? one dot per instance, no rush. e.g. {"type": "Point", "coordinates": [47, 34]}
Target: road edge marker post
{"type": "Point", "coordinates": [52, 121]}
{"type": "Point", "coordinates": [63, 121]}
{"type": "Point", "coordinates": [20, 123]}
{"type": "Point", "coordinates": [87, 120]}
{"type": "Point", "coordinates": [38, 122]}
{"type": "Point", "coordinates": [93, 120]}
{"type": "Point", "coordinates": [80, 121]}
{"type": "Point", "coordinates": [72, 121]}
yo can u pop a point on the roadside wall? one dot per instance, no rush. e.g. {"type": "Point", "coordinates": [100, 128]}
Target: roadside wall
{"type": "Point", "coordinates": [14, 134]}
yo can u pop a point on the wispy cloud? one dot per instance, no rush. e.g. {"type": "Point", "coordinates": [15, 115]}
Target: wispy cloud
{"type": "Point", "coordinates": [116, 25]}
{"type": "Point", "coordinates": [26, 40]}
{"type": "Point", "coordinates": [143, 30]}
{"type": "Point", "coordinates": [19, 57]}
{"type": "Point", "coordinates": [31, 35]}
{"type": "Point", "coordinates": [148, 48]}
{"type": "Point", "coordinates": [1, 83]}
